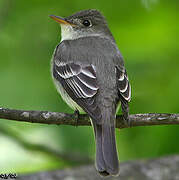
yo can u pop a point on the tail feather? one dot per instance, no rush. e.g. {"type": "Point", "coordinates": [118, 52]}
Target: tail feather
{"type": "Point", "coordinates": [106, 153]}
{"type": "Point", "coordinates": [100, 163]}
{"type": "Point", "coordinates": [109, 150]}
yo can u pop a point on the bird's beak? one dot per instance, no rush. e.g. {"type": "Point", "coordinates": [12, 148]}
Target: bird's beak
{"type": "Point", "coordinates": [60, 20]}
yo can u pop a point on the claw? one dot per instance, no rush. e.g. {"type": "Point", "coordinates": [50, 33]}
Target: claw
{"type": "Point", "coordinates": [127, 121]}
{"type": "Point", "coordinates": [76, 114]}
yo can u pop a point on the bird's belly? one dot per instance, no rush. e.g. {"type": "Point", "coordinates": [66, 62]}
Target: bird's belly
{"type": "Point", "coordinates": [67, 98]}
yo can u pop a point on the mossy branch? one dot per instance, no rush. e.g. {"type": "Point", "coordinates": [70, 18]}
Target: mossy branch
{"type": "Point", "coordinates": [47, 117]}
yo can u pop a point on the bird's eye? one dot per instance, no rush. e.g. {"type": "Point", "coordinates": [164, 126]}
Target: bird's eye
{"type": "Point", "coordinates": [86, 23]}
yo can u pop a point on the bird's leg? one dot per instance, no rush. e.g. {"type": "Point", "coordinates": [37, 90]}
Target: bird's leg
{"type": "Point", "coordinates": [127, 121]}
{"type": "Point", "coordinates": [76, 114]}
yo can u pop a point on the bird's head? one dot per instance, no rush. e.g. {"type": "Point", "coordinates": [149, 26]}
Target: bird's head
{"type": "Point", "coordinates": [83, 24]}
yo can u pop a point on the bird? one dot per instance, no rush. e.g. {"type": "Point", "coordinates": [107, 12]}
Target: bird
{"type": "Point", "coordinates": [89, 73]}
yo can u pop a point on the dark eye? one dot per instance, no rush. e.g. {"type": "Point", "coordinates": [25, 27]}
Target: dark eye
{"type": "Point", "coordinates": [86, 23]}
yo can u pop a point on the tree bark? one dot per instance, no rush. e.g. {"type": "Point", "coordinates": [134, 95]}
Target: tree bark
{"type": "Point", "coordinates": [47, 117]}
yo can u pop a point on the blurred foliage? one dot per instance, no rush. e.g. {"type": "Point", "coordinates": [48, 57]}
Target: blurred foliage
{"type": "Point", "coordinates": [146, 32]}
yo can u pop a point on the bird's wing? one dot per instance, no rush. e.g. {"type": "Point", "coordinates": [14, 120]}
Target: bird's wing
{"type": "Point", "coordinates": [124, 91]}
{"type": "Point", "coordinates": [123, 84]}
{"type": "Point", "coordinates": [80, 82]}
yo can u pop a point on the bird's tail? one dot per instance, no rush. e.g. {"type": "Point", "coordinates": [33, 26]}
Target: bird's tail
{"type": "Point", "coordinates": [106, 153]}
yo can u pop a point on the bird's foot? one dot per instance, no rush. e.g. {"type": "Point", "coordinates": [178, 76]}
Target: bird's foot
{"type": "Point", "coordinates": [127, 121]}
{"type": "Point", "coordinates": [76, 114]}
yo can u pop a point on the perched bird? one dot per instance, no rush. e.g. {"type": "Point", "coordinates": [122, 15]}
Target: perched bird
{"type": "Point", "coordinates": [88, 71]}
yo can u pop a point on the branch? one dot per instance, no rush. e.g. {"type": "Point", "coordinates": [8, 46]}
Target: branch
{"type": "Point", "coordinates": [47, 117]}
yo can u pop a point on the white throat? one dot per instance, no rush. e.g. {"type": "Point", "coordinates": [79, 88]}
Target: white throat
{"type": "Point", "coordinates": [68, 33]}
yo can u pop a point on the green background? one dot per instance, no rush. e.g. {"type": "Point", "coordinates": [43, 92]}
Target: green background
{"type": "Point", "coordinates": [146, 33]}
